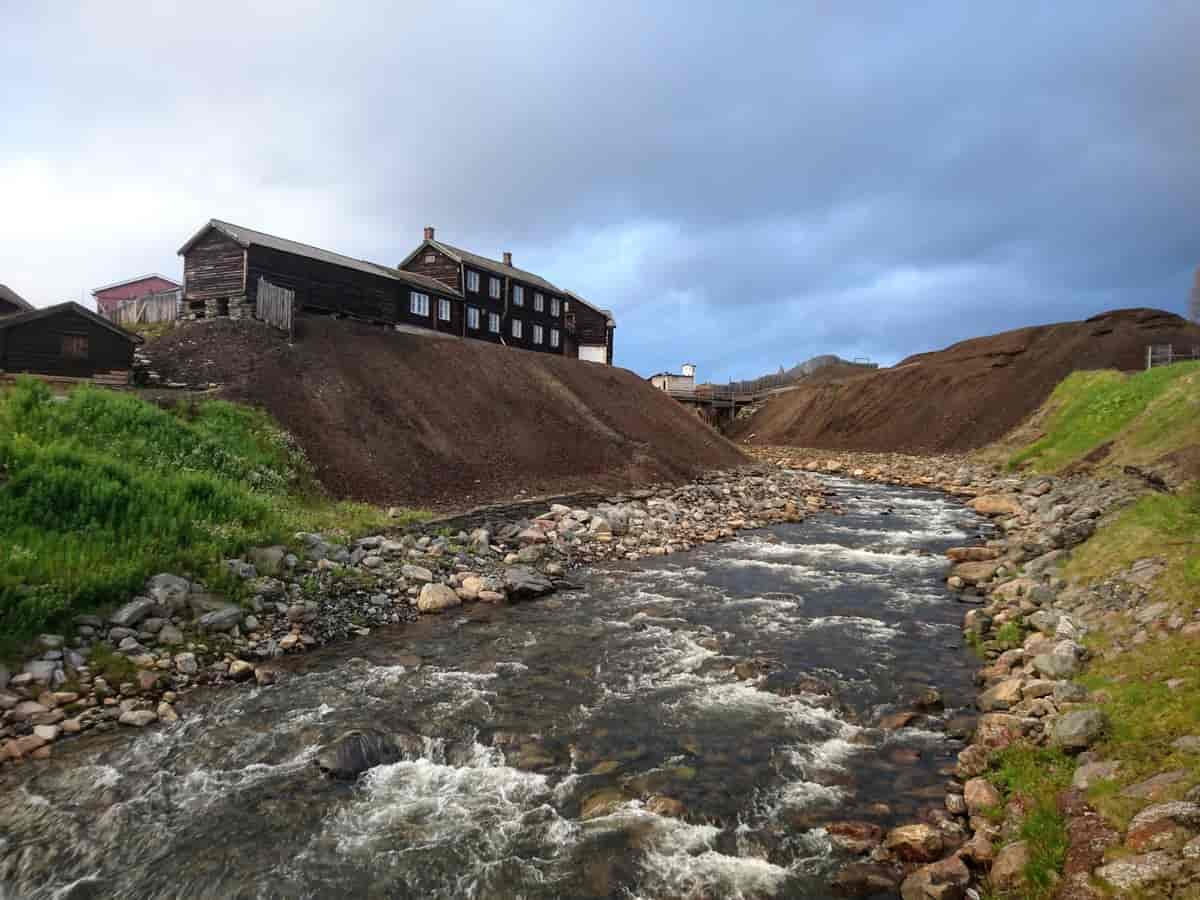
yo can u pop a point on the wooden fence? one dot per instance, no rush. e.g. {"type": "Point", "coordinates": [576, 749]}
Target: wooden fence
{"type": "Point", "coordinates": [275, 306]}
{"type": "Point", "coordinates": [147, 310]}
{"type": "Point", "coordinates": [1165, 354]}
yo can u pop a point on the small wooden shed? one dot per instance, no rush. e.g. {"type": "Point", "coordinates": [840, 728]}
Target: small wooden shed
{"type": "Point", "coordinates": [66, 341]}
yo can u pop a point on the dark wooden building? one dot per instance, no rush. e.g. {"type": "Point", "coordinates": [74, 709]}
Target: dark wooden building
{"type": "Point", "coordinates": [589, 330]}
{"type": "Point", "coordinates": [11, 302]}
{"type": "Point", "coordinates": [502, 304]}
{"type": "Point", "coordinates": [66, 341]}
{"type": "Point", "coordinates": [222, 264]}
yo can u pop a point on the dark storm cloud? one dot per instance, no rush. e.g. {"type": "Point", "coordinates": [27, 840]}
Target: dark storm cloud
{"type": "Point", "coordinates": [745, 186]}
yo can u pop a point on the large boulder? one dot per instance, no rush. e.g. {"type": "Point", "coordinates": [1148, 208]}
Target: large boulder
{"type": "Point", "coordinates": [133, 612]}
{"type": "Point", "coordinates": [354, 752]}
{"type": "Point", "coordinates": [1078, 729]}
{"type": "Point", "coordinates": [981, 796]}
{"type": "Point", "coordinates": [525, 584]}
{"type": "Point", "coordinates": [997, 505]}
{"type": "Point", "coordinates": [1008, 870]}
{"type": "Point", "coordinates": [915, 843]}
{"type": "Point", "coordinates": [1004, 695]}
{"type": "Point", "coordinates": [435, 597]}
{"type": "Point", "coordinates": [975, 572]}
{"type": "Point", "coordinates": [946, 879]}
{"type": "Point", "coordinates": [169, 591]}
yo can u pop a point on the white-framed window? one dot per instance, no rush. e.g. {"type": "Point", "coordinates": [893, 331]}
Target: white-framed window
{"type": "Point", "coordinates": [473, 317]}
{"type": "Point", "coordinates": [516, 328]}
{"type": "Point", "coordinates": [443, 309]}
{"type": "Point", "coordinates": [539, 302]}
{"type": "Point", "coordinates": [472, 281]}
{"type": "Point", "coordinates": [538, 334]}
{"type": "Point", "coordinates": [494, 323]}
{"type": "Point", "coordinates": [554, 306]}
{"type": "Point", "coordinates": [418, 304]}
{"type": "Point", "coordinates": [494, 288]}
{"type": "Point", "coordinates": [554, 337]}
{"type": "Point", "coordinates": [518, 295]}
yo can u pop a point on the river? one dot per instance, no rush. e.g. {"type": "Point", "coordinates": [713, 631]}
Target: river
{"type": "Point", "coordinates": [679, 728]}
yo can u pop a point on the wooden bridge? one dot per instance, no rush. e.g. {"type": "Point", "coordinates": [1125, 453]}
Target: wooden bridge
{"type": "Point", "coordinates": [720, 405]}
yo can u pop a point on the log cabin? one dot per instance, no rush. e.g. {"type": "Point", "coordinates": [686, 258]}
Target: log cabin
{"type": "Point", "coordinates": [11, 302]}
{"type": "Point", "coordinates": [66, 341]}
{"type": "Point", "coordinates": [222, 263]}
{"type": "Point", "coordinates": [504, 304]}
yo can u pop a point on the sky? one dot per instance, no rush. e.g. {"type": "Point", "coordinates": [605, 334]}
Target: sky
{"type": "Point", "coordinates": [744, 185]}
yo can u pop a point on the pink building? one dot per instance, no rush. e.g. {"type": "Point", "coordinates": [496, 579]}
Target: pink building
{"type": "Point", "coordinates": [111, 295]}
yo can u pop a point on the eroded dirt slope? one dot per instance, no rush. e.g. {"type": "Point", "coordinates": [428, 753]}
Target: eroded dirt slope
{"type": "Point", "coordinates": [965, 396]}
{"type": "Point", "coordinates": [399, 418]}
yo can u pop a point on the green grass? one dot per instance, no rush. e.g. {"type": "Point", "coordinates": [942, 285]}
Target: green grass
{"type": "Point", "coordinates": [99, 490]}
{"type": "Point", "coordinates": [1159, 408]}
{"type": "Point", "coordinates": [1036, 776]}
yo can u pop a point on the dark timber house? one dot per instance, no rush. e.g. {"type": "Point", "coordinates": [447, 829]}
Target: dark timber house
{"type": "Point", "coordinates": [504, 304]}
{"type": "Point", "coordinates": [66, 341]}
{"type": "Point", "coordinates": [222, 264]}
{"type": "Point", "coordinates": [589, 330]}
{"type": "Point", "coordinates": [11, 302]}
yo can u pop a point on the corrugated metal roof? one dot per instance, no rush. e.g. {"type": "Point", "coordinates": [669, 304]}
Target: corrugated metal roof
{"type": "Point", "coordinates": [250, 237]}
{"type": "Point", "coordinates": [486, 263]}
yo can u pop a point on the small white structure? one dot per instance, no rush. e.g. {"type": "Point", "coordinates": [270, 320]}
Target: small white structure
{"type": "Point", "coordinates": [685, 381]}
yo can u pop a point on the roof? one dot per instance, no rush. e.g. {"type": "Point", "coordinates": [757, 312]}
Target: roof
{"type": "Point", "coordinates": [248, 237]}
{"type": "Point", "coordinates": [70, 306]}
{"type": "Point", "coordinates": [147, 277]}
{"type": "Point", "coordinates": [483, 262]}
{"type": "Point", "coordinates": [8, 295]}
{"type": "Point", "coordinates": [607, 313]}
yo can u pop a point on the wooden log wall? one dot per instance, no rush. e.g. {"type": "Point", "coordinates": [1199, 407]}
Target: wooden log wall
{"type": "Point", "coordinates": [214, 268]}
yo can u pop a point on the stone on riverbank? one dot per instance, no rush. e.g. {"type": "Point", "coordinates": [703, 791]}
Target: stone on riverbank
{"type": "Point", "coordinates": [437, 597]}
{"type": "Point", "coordinates": [355, 752]}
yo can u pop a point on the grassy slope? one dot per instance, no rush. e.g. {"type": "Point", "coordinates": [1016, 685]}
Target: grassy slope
{"type": "Point", "coordinates": [1143, 418]}
{"type": "Point", "coordinates": [99, 490]}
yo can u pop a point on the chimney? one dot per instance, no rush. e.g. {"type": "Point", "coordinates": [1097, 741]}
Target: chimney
{"type": "Point", "coordinates": [507, 258]}
{"type": "Point", "coordinates": [429, 232]}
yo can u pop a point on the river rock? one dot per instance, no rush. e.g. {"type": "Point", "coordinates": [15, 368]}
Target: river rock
{"type": "Point", "coordinates": [1004, 695]}
{"type": "Point", "coordinates": [170, 636]}
{"type": "Point", "coordinates": [416, 573]}
{"type": "Point", "coordinates": [240, 670]}
{"type": "Point", "coordinates": [972, 554]}
{"type": "Point", "coordinates": [133, 612]}
{"type": "Point", "coordinates": [525, 584]}
{"type": "Point", "coordinates": [223, 619]}
{"type": "Point", "coordinates": [980, 796]}
{"type": "Point", "coordinates": [997, 505]}
{"type": "Point", "coordinates": [138, 718]}
{"type": "Point", "coordinates": [169, 591]}
{"type": "Point", "coordinates": [355, 752]}
{"type": "Point", "coordinates": [946, 879]}
{"type": "Point", "coordinates": [915, 843]}
{"type": "Point", "coordinates": [1078, 729]}
{"type": "Point", "coordinates": [975, 572]}
{"type": "Point", "coordinates": [268, 560]}
{"type": "Point", "coordinates": [436, 597]}
{"type": "Point", "coordinates": [1141, 872]}
{"type": "Point", "coordinates": [861, 879]}
{"type": "Point", "coordinates": [1008, 870]}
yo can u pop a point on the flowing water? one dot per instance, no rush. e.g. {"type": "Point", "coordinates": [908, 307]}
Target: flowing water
{"type": "Point", "coordinates": [597, 700]}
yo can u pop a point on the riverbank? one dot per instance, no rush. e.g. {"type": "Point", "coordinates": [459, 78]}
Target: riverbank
{"type": "Point", "coordinates": [1081, 780]}
{"type": "Point", "coordinates": [129, 667]}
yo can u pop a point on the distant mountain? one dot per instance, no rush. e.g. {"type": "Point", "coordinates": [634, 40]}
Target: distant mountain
{"type": "Point", "coordinates": [798, 372]}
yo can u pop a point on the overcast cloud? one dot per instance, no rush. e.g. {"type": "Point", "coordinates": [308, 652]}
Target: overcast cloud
{"type": "Point", "coordinates": [744, 185]}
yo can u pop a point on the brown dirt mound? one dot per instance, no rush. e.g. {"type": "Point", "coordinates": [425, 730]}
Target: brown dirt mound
{"type": "Point", "coordinates": [405, 419]}
{"type": "Point", "coordinates": [965, 396]}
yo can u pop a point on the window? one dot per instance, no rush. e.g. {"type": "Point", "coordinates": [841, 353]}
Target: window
{"type": "Point", "coordinates": [444, 309]}
{"type": "Point", "coordinates": [516, 328]}
{"type": "Point", "coordinates": [472, 281]}
{"type": "Point", "coordinates": [494, 288]}
{"type": "Point", "coordinates": [553, 337]}
{"type": "Point", "coordinates": [518, 295]}
{"type": "Point", "coordinates": [539, 303]}
{"type": "Point", "coordinates": [554, 306]}
{"type": "Point", "coordinates": [430, 258]}
{"type": "Point", "coordinates": [75, 346]}
{"type": "Point", "coordinates": [494, 323]}
{"type": "Point", "coordinates": [418, 304]}
{"type": "Point", "coordinates": [473, 317]}
{"type": "Point", "coordinates": [537, 334]}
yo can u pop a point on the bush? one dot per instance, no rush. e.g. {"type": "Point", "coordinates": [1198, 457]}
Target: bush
{"type": "Point", "coordinates": [99, 490]}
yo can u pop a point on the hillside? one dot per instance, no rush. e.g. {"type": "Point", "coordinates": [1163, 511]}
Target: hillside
{"type": "Point", "coordinates": [964, 396]}
{"type": "Point", "coordinates": [399, 418]}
